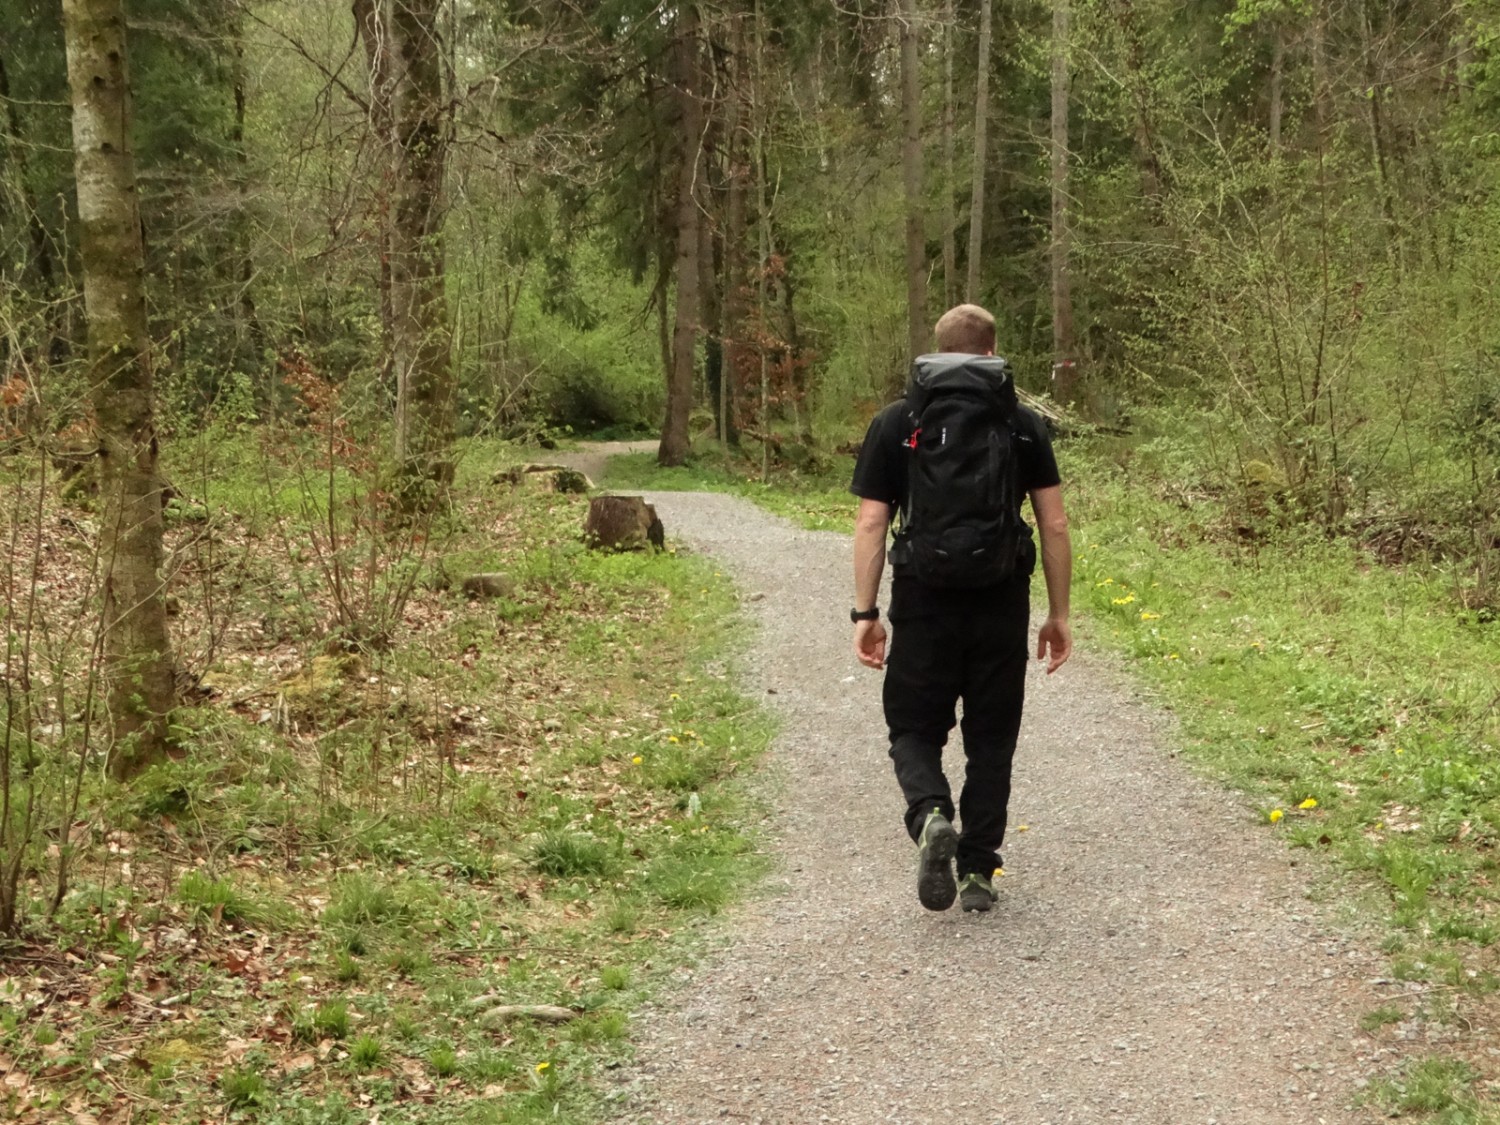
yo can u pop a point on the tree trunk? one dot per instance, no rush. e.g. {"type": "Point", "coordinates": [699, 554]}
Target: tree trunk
{"type": "Point", "coordinates": [1065, 366]}
{"type": "Point", "coordinates": [370, 23]}
{"type": "Point", "coordinates": [736, 230]}
{"type": "Point", "coordinates": [1140, 89]}
{"type": "Point", "coordinates": [41, 249]}
{"type": "Point", "coordinates": [950, 219]}
{"type": "Point", "coordinates": [917, 328]}
{"type": "Point", "coordinates": [1379, 143]}
{"type": "Point", "coordinates": [423, 336]}
{"type": "Point", "coordinates": [137, 652]}
{"type": "Point", "coordinates": [409, 117]}
{"type": "Point", "coordinates": [709, 231]}
{"type": "Point", "coordinates": [674, 436]}
{"type": "Point", "coordinates": [1278, 71]}
{"type": "Point", "coordinates": [1322, 87]}
{"type": "Point", "coordinates": [246, 319]}
{"type": "Point", "coordinates": [981, 138]}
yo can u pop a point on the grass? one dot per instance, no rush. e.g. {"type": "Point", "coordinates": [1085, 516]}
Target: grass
{"type": "Point", "coordinates": [1347, 699]}
{"type": "Point", "coordinates": [536, 798]}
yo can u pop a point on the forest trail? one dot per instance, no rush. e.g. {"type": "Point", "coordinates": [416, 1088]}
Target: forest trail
{"type": "Point", "coordinates": [1154, 957]}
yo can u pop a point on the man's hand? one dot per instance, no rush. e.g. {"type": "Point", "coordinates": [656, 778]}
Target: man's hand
{"type": "Point", "coordinates": [1056, 638]}
{"type": "Point", "coordinates": [869, 643]}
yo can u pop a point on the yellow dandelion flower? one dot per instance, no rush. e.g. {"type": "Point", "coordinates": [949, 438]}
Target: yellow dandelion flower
{"type": "Point", "coordinates": [1400, 751]}
{"type": "Point", "coordinates": [1173, 656]}
{"type": "Point", "coordinates": [637, 760]}
{"type": "Point", "coordinates": [674, 695]}
{"type": "Point", "coordinates": [541, 1066]}
{"type": "Point", "coordinates": [1106, 582]}
{"type": "Point", "coordinates": [1310, 803]}
{"type": "Point", "coordinates": [1126, 600]}
{"type": "Point", "coordinates": [1274, 815]}
{"type": "Point", "coordinates": [1146, 615]}
{"type": "Point", "coordinates": [672, 738]}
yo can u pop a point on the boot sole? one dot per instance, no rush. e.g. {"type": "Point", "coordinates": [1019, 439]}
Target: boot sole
{"type": "Point", "coordinates": [936, 887]}
{"type": "Point", "coordinates": [982, 904]}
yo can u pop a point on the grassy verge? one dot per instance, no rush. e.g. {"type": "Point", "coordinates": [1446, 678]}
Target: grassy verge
{"type": "Point", "coordinates": [1353, 703]}
{"type": "Point", "coordinates": [368, 856]}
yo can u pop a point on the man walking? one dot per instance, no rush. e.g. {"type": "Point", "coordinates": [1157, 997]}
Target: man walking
{"type": "Point", "coordinates": [955, 457]}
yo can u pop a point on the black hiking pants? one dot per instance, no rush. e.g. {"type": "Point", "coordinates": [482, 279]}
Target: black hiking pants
{"type": "Point", "coordinates": [944, 649]}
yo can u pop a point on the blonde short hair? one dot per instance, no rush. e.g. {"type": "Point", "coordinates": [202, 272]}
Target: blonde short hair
{"type": "Point", "coordinates": [965, 328]}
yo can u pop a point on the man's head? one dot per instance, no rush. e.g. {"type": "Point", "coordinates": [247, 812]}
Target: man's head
{"type": "Point", "coordinates": [966, 328]}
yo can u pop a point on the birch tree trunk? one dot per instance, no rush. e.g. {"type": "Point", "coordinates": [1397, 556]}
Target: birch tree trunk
{"type": "Point", "coordinates": [674, 436]}
{"type": "Point", "coordinates": [1065, 367]}
{"type": "Point", "coordinates": [917, 328]}
{"type": "Point", "coordinates": [138, 663]}
{"type": "Point", "coordinates": [981, 138]}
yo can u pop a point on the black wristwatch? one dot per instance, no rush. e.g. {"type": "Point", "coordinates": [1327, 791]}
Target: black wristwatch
{"type": "Point", "coordinates": [871, 614]}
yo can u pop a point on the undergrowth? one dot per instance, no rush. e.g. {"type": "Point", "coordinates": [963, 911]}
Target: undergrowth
{"type": "Point", "coordinates": [363, 850]}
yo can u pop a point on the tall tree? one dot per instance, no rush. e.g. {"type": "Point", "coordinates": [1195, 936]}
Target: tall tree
{"type": "Point", "coordinates": [917, 329]}
{"type": "Point", "coordinates": [950, 220]}
{"type": "Point", "coordinates": [981, 136]}
{"type": "Point", "coordinates": [674, 436]}
{"type": "Point", "coordinates": [1065, 363]}
{"type": "Point", "coordinates": [137, 652]}
{"type": "Point", "coordinates": [404, 45]}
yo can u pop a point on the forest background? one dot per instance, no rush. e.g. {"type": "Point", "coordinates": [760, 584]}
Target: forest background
{"type": "Point", "coordinates": [370, 252]}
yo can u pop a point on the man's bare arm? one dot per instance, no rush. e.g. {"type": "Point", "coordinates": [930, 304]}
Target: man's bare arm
{"type": "Point", "coordinates": [1055, 639]}
{"type": "Point", "coordinates": [869, 561]}
{"type": "Point", "coordinates": [869, 550]}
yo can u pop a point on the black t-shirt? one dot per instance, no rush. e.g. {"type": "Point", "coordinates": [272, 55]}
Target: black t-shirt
{"type": "Point", "coordinates": [880, 474]}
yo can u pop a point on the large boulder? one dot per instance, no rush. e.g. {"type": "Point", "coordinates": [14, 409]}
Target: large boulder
{"type": "Point", "coordinates": [622, 523]}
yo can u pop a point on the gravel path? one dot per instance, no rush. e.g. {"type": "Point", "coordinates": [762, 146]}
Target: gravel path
{"type": "Point", "coordinates": [1153, 958]}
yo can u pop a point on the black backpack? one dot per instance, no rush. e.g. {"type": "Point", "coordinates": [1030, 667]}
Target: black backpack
{"type": "Point", "coordinates": [961, 524]}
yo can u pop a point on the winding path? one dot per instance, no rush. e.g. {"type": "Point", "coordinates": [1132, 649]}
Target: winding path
{"type": "Point", "coordinates": [1154, 956]}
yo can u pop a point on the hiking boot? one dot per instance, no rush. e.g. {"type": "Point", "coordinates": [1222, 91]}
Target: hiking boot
{"type": "Point", "coordinates": [975, 892]}
{"type": "Point", "coordinates": [937, 845]}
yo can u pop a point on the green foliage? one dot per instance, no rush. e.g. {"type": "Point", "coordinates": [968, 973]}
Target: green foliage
{"type": "Point", "coordinates": [570, 854]}
{"type": "Point", "coordinates": [365, 1053]}
{"type": "Point", "coordinates": [243, 1089]}
{"type": "Point", "coordinates": [1437, 1085]}
{"type": "Point", "coordinates": [211, 901]}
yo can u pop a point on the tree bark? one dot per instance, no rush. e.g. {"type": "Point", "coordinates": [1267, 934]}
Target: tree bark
{"type": "Point", "coordinates": [41, 249]}
{"type": "Point", "coordinates": [370, 23]}
{"type": "Point", "coordinates": [917, 328]}
{"type": "Point", "coordinates": [1278, 72]}
{"type": "Point", "coordinates": [950, 175]}
{"type": "Point", "coordinates": [709, 232]}
{"type": "Point", "coordinates": [1065, 366]}
{"type": "Point", "coordinates": [981, 138]}
{"type": "Point", "coordinates": [674, 445]}
{"type": "Point", "coordinates": [138, 664]}
{"type": "Point", "coordinates": [1145, 139]}
{"type": "Point", "coordinates": [404, 48]}
{"type": "Point", "coordinates": [736, 230]}
{"type": "Point", "coordinates": [1379, 142]}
